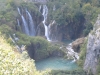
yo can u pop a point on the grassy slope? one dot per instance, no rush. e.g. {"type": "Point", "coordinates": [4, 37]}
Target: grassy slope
{"type": "Point", "coordinates": [13, 63]}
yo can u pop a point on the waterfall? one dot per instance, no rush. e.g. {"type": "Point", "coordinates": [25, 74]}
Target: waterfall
{"type": "Point", "coordinates": [17, 47]}
{"type": "Point", "coordinates": [31, 25]}
{"type": "Point", "coordinates": [71, 53]}
{"type": "Point", "coordinates": [53, 31]}
{"type": "Point", "coordinates": [18, 10]}
{"type": "Point", "coordinates": [18, 22]}
{"type": "Point", "coordinates": [45, 13]}
{"type": "Point", "coordinates": [25, 25]}
{"type": "Point", "coordinates": [14, 40]}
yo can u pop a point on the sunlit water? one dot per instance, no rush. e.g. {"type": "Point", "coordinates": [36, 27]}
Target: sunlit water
{"type": "Point", "coordinates": [56, 63]}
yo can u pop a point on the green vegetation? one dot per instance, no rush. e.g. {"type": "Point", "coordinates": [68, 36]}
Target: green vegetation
{"type": "Point", "coordinates": [9, 14]}
{"type": "Point", "coordinates": [98, 67]}
{"type": "Point", "coordinates": [73, 72]}
{"type": "Point", "coordinates": [82, 53]}
{"type": "Point", "coordinates": [13, 63]}
{"type": "Point", "coordinates": [38, 47]}
{"type": "Point", "coordinates": [75, 12]}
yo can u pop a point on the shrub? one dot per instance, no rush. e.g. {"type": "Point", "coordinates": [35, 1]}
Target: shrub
{"type": "Point", "coordinates": [82, 53]}
{"type": "Point", "coordinates": [13, 63]}
{"type": "Point", "coordinates": [73, 72]}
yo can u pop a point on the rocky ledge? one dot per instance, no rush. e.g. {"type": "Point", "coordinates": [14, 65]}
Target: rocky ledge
{"type": "Point", "coordinates": [93, 49]}
{"type": "Point", "coordinates": [77, 43]}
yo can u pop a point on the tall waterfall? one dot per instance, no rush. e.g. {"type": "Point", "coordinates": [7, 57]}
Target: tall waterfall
{"type": "Point", "coordinates": [31, 25]}
{"type": "Point", "coordinates": [45, 13]}
{"type": "Point", "coordinates": [25, 25]}
{"type": "Point", "coordinates": [28, 25]}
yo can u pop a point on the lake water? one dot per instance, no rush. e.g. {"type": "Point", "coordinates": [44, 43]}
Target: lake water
{"type": "Point", "coordinates": [56, 63]}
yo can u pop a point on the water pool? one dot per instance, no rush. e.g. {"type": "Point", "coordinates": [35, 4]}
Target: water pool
{"type": "Point", "coordinates": [55, 63]}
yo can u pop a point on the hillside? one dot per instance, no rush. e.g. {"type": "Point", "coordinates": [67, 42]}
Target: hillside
{"type": "Point", "coordinates": [14, 63]}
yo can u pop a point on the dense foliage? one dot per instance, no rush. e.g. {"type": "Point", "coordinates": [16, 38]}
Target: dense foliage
{"type": "Point", "coordinates": [82, 53]}
{"type": "Point", "coordinates": [37, 47]}
{"type": "Point", "coordinates": [98, 67]}
{"type": "Point", "coordinates": [13, 63]}
{"type": "Point", "coordinates": [74, 13]}
{"type": "Point", "coordinates": [73, 72]}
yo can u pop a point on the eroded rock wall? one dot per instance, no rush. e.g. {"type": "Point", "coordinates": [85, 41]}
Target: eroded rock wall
{"type": "Point", "coordinates": [93, 49]}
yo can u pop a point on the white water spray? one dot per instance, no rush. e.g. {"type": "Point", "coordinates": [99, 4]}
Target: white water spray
{"type": "Point", "coordinates": [18, 10]}
{"type": "Point", "coordinates": [31, 25]}
{"type": "Point", "coordinates": [45, 13]}
{"type": "Point", "coordinates": [71, 53]}
{"type": "Point", "coordinates": [18, 48]}
{"type": "Point", "coordinates": [25, 25]}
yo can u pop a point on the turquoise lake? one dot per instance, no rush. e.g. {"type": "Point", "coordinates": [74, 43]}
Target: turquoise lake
{"type": "Point", "coordinates": [56, 63]}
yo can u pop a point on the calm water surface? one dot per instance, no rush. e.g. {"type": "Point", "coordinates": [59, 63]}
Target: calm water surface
{"type": "Point", "coordinates": [55, 63]}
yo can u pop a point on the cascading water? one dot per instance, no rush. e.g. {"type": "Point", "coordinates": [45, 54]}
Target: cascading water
{"type": "Point", "coordinates": [45, 13]}
{"type": "Point", "coordinates": [71, 53]}
{"type": "Point", "coordinates": [18, 10]}
{"type": "Point", "coordinates": [53, 31]}
{"type": "Point", "coordinates": [18, 22]}
{"type": "Point", "coordinates": [31, 25]}
{"type": "Point", "coordinates": [28, 28]}
{"type": "Point", "coordinates": [14, 41]}
{"type": "Point", "coordinates": [25, 25]}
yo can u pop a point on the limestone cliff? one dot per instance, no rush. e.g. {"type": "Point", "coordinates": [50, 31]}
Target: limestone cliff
{"type": "Point", "coordinates": [93, 49]}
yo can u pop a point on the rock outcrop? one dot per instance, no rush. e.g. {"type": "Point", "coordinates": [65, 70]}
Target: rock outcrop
{"type": "Point", "coordinates": [77, 43]}
{"type": "Point", "coordinates": [93, 49]}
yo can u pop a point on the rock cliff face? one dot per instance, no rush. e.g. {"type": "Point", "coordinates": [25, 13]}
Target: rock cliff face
{"type": "Point", "coordinates": [93, 49]}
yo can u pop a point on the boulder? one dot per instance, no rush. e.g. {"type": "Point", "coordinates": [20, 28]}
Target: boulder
{"type": "Point", "coordinates": [77, 43]}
